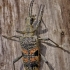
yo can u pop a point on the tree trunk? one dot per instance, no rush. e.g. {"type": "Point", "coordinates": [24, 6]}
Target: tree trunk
{"type": "Point", "coordinates": [56, 18]}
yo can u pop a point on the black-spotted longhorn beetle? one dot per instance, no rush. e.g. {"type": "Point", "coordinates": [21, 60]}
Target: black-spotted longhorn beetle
{"type": "Point", "coordinates": [30, 42]}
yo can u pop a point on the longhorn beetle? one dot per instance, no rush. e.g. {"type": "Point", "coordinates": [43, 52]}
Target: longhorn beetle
{"type": "Point", "coordinates": [30, 41]}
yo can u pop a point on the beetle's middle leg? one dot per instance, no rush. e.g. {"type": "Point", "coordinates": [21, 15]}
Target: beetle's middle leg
{"type": "Point", "coordinates": [16, 61]}
{"type": "Point", "coordinates": [55, 44]}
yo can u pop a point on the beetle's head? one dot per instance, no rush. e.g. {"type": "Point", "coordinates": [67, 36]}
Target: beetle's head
{"type": "Point", "coordinates": [29, 24]}
{"type": "Point", "coordinates": [29, 20]}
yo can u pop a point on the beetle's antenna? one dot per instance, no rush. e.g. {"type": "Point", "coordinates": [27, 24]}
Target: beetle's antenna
{"type": "Point", "coordinates": [40, 14]}
{"type": "Point", "coordinates": [30, 8]}
{"type": "Point", "coordinates": [0, 28]}
{"type": "Point", "coordinates": [39, 17]}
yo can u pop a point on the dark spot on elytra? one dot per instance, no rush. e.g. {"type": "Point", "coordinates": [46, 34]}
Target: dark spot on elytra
{"type": "Point", "coordinates": [36, 53]}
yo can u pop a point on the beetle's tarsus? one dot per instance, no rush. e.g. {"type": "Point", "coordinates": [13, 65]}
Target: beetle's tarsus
{"type": "Point", "coordinates": [16, 61]}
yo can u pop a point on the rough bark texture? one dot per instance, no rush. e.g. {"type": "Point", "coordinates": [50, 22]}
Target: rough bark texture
{"type": "Point", "coordinates": [57, 20]}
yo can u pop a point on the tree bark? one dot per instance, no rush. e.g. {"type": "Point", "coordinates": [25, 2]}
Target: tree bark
{"type": "Point", "coordinates": [56, 18]}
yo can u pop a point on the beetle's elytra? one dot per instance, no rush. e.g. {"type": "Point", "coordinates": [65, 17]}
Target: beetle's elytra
{"type": "Point", "coordinates": [30, 52]}
{"type": "Point", "coordinates": [30, 42]}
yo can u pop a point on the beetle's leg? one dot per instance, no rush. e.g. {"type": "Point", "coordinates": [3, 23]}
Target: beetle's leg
{"type": "Point", "coordinates": [15, 36]}
{"type": "Point", "coordinates": [48, 39]}
{"type": "Point", "coordinates": [53, 42]}
{"type": "Point", "coordinates": [56, 45]}
{"type": "Point", "coordinates": [43, 39]}
{"type": "Point", "coordinates": [49, 65]}
{"type": "Point", "coordinates": [21, 68]}
{"type": "Point", "coordinates": [21, 32]}
{"type": "Point", "coordinates": [10, 38]}
{"type": "Point", "coordinates": [16, 61]}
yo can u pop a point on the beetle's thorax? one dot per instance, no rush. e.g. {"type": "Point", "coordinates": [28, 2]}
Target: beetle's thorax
{"type": "Point", "coordinates": [29, 28]}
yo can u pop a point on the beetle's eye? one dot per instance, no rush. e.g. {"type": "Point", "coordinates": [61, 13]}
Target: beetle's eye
{"type": "Point", "coordinates": [31, 21]}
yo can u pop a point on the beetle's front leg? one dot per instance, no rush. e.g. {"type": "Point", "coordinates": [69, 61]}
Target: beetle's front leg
{"type": "Point", "coordinates": [49, 65]}
{"type": "Point", "coordinates": [16, 61]}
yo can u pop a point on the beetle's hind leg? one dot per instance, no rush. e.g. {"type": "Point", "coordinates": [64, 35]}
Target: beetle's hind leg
{"type": "Point", "coordinates": [21, 68]}
{"type": "Point", "coordinates": [16, 61]}
{"type": "Point", "coordinates": [49, 65]}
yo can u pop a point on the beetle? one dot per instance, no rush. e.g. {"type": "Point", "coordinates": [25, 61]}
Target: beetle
{"type": "Point", "coordinates": [30, 42]}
